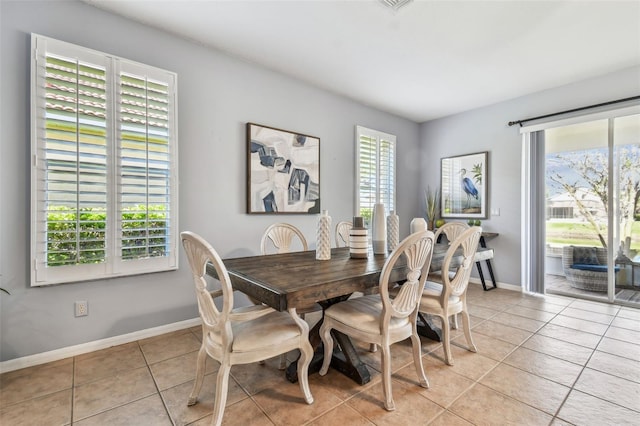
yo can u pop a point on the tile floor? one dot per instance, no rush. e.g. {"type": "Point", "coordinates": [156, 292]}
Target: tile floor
{"type": "Point", "coordinates": [541, 360]}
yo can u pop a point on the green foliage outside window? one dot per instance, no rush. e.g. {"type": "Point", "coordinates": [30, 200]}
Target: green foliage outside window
{"type": "Point", "coordinates": [81, 240]}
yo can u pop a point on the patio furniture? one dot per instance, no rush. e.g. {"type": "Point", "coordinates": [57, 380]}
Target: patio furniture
{"type": "Point", "coordinates": [586, 267]}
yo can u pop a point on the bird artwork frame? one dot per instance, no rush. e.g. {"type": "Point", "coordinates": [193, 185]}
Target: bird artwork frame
{"type": "Point", "coordinates": [463, 186]}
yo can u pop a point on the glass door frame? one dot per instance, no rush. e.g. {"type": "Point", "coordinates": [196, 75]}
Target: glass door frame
{"type": "Point", "coordinates": [533, 216]}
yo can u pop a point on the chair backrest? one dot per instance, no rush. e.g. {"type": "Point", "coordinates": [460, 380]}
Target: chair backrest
{"type": "Point", "coordinates": [417, 248]}
{"type": "Point", "coordinates": [281, 236]}
{"type": "Point", "coordinates": [342, 233]}
{"type": "Point", "coordinates": [466, 246]}
{"type": "Point", "coordinates": [214, 320]}
{"type": "Point", "coordinates": [451, 230]}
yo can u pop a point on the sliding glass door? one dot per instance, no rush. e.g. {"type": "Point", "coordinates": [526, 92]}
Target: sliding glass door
{"type": "Point", "coordinates": [592, 208]}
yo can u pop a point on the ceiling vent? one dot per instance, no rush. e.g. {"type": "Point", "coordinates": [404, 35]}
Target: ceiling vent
{"type": "Point", "coordinates": [395, 4]}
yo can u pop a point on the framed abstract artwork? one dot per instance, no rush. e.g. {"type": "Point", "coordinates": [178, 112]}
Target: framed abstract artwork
{"type": "Point", "coordinates": [283, 171]}
{"type": "Point", "coordinates": [464, 183]}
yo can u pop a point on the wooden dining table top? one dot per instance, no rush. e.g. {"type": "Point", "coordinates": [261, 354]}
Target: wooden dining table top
{"type": "Point", "coordinates": [298, 280]}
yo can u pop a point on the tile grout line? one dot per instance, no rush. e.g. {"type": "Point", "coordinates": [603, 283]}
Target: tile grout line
{"type": "Point", "coordinates": [73, 389]}
{"type": "Point", "coordinates": [155, 384]}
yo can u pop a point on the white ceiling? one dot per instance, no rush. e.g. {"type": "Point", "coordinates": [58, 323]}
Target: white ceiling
{"type": "Point", "coordinates": [426, 60]}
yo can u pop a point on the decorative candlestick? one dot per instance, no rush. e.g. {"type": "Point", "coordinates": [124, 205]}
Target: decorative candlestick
{"type": "Point", "coordinates": [393, 230]}
{"type": "Point", "coordinates": [323, 237]}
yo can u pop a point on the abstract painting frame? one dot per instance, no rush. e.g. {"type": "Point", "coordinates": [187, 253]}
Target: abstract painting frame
{"type": "Point", "coordinates": [464, 183]}
{"type": "Point", "coordinates": [283, 171]}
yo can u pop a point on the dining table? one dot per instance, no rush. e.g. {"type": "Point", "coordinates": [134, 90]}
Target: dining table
{"type": "Point", "coordinates": [297, 281]}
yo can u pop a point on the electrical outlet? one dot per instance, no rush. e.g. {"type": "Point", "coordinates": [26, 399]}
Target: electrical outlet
{"type": "Point", "coordinates": [82, 308]}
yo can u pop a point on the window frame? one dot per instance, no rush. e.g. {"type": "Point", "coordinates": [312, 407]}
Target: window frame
{"type": "Point", "coordinates": [380, 194]}
{"type": "Point", "coordinates": [113, 265]}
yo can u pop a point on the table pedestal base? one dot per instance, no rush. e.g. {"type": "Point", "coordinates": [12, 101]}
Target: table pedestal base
{"type": "Point", "coordinates": [428, 328]}
{"type": "Point", "coordinates": [345, 359]}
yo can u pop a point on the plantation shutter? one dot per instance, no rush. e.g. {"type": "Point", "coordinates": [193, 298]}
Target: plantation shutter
{"type": "Point", "coordinates": [375, 168]}
{"type": "Point", "coordinates": [144, 153]}
{"type": "Point", "coordinates": [387, 172]}
{"type": "Point", "coordinates": [104, 155]}
{"type": "Point", "coordinates": [75, 156]}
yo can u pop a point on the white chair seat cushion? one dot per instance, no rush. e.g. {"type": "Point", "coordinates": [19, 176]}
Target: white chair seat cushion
{"type": "Point", "coordinates": [363, 314]}
{"type": "Point", "coordinates": [259, 333]}
{"type": "Point", "coordinates": [431, 297]}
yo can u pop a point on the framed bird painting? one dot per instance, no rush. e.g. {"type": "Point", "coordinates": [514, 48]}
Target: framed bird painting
{"type": "Point", "coordinates": [464, 183]}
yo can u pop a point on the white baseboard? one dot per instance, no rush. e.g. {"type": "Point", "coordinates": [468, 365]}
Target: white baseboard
{"type": "Point", "coordinates": [58, 354]}
{"type": "Point", "coordinates": [488, 283]}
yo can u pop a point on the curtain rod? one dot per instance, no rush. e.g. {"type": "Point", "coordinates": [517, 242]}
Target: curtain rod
{"type": "Point", "coordinates": [633, 98]}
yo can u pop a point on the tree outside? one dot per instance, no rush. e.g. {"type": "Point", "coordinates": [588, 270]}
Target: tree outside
{"type": "Point", "coordinates": [583, 178]}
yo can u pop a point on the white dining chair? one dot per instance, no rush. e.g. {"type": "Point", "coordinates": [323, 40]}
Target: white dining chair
{"type": "Point", "coordinates": [451, 230]}
{"type": "Point", "coordinates": [281, 238]}
{"type": "Point", "coordinates": [382, 320]}
{"type": "Point", "coordinates": [450, 297]}
{"type": "Point", "coordinates": [241, 335]}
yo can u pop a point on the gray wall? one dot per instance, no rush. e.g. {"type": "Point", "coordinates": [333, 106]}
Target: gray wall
{"type": "Point", "coordinates": [486, 129]}
{"type": "Point", "coordinates": [218, 94]}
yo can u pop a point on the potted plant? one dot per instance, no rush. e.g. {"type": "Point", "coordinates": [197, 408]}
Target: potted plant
{"type": "Point", "coordinates": [432, 199]}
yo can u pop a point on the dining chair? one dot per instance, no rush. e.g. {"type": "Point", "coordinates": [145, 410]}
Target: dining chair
{"type": "Point", "coordinates": [342, 233]}
{"type": "Point", "coordinates": [382, 320]}
{"type": "Point", "coordinates": [451, 231]}
{"type": "Point", "coordinates": [241, 335]}
{"type": "Point", "coordinates": [280, 237]}
{"type": "Point", "coordinates": [450, 297]}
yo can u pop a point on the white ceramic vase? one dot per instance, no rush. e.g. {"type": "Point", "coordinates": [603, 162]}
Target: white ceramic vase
{"type": "Point", "coordinates": [418, 224]}
{"type": "Point", "coordinates": [323, 237]}
{"type": "Point", "coordinates": [393, 230]}
{"type": "Point", "coordinates": [379, 232]}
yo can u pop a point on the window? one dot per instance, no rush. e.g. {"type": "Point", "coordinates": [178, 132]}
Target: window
{"type": "Point", "coordinates": [104, 170]}
{"type": "Point", "coordinates": [559, 213]}
{"type": "Point", "coordinates": [376, 171]}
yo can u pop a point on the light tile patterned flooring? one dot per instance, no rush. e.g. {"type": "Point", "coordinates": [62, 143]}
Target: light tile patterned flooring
{"type": "Point", "coordinates": [541, 360]}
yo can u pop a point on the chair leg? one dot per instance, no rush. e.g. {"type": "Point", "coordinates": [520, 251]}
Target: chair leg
{"type": "Point", "coordinates": [385, 360]}
{"type": "Point", "coordinates": [306, 355]}
{"type": "Point", "coordinates": [200, 368]}
{"type": "Point", "coordinates": [222, 387]}
{"type": "Point", "coordinates": [455, 321]}
{"type": "Point", "coordinates": [446, 339]}
{"type": "Point", "coordinates": [373, 348]}
{"type": "Point", "coordinates": [417, 360]}
{"type": "Point", "coordinates": [327, 342]}
{"type": "Point", "coordinates": [466, 325]}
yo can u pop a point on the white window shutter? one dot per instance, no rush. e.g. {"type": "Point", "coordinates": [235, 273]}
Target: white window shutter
{"type": "Point", "coordinates": [375, 171]}
{"type": "Point", "coordinates": [80, 172]}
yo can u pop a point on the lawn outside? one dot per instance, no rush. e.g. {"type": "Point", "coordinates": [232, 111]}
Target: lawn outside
{"type": "Point", "coordinates": [564, 233]}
